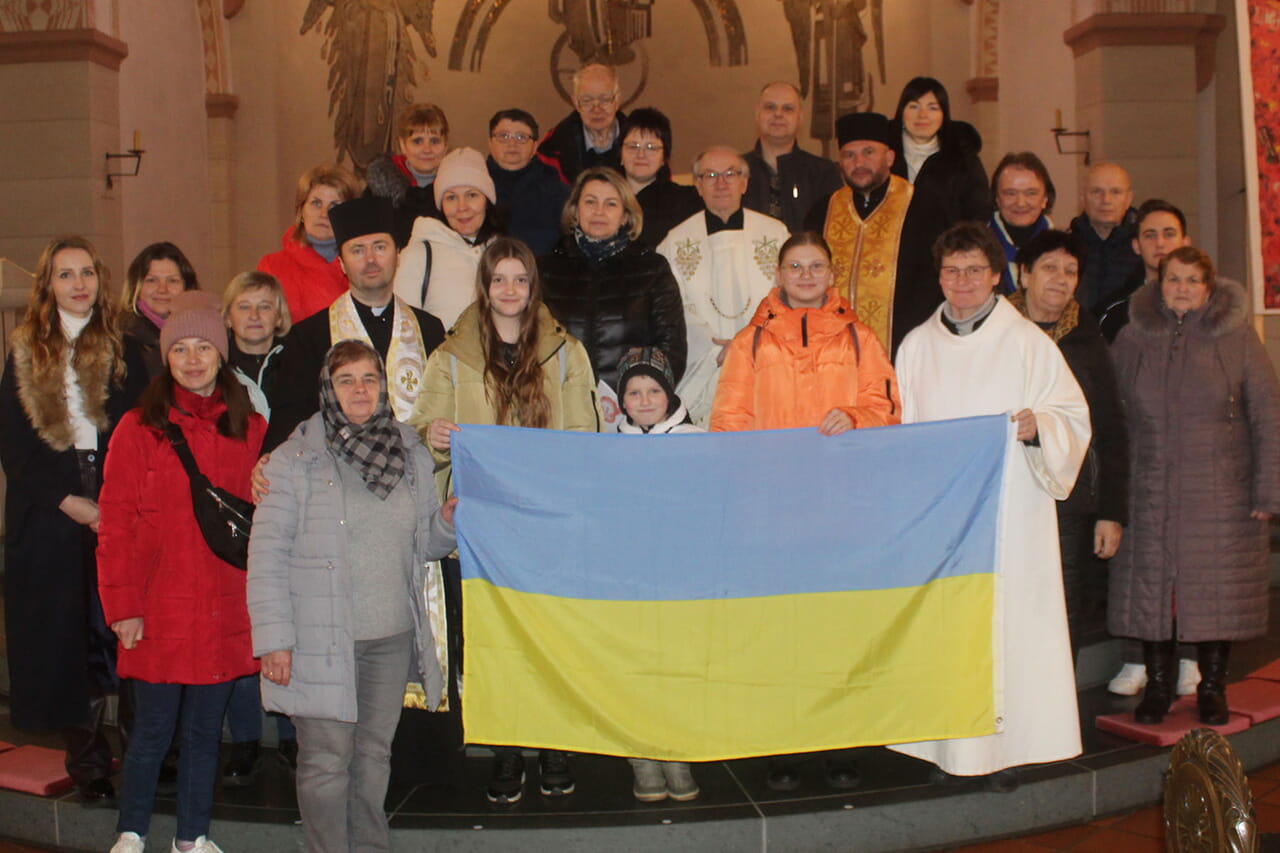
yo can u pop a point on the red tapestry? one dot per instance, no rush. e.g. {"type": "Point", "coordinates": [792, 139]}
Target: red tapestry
{"type": "Point", "coordinates": [1264, 30]}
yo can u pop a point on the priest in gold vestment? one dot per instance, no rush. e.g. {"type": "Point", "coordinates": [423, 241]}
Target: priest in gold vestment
{"type": "Point", "coordinates": [881, 230]}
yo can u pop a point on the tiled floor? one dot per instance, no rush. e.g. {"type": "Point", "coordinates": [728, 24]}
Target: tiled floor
{"type": "Point", "coordinates": [1136, 832]}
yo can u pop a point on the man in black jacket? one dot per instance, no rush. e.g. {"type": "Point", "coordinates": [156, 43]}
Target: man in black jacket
{"type": "Point", "coordinates": [1106, 228]}
{"type": "Point", "coordinates": [591, 136]}
{"type": "Point", "coordinates": [785, 179]}
{"type": "Point", "coordinates": [531, 190]}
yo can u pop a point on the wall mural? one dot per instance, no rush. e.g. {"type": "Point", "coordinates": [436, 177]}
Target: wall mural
{"type": "Point", "coordinates": [829, 38]}
{"type": "Point", "coordinates": [374, 66]}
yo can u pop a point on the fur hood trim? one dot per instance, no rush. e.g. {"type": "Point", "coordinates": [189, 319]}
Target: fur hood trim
{"type": "Point", "coordinates": [44, 395]}
{"type": "Point", "coordinates": [1226, 310]}
{"type": "Point", "coordinates": [384, 179]}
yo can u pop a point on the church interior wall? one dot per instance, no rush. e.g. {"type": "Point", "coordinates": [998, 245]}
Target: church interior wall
{"type": "Point", "coordinates": [162, 97]}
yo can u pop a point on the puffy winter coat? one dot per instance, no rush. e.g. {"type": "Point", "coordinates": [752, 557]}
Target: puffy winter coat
{"type": "Point", "coordinates": [1203, 409]}
{"type": "Point", "coordinates": [628, 300]}
{"type": "Point", "coordinates": [310, 282]}
{"type": "Point", "coordinates": [791, 366]}
{"type": "Point", "coordinates": [153, 562]}
{"type": "Point", "coordinates": [453, 385]}
{"type": "Point", "coordinates": [437, 270]}
{"type": "Point", "coordinates": [300, 577]}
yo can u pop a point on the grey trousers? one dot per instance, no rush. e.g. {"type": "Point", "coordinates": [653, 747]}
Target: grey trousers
{"type": "Point", "coordinates": [343, 768]}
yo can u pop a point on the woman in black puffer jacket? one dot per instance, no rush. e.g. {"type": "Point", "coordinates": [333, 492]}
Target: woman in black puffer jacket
{"type": "Point", "coordinates": [610, 291]}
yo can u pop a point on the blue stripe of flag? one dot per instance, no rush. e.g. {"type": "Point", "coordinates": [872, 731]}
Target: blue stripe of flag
{"type": "Point", "coordinates": [727, 515]}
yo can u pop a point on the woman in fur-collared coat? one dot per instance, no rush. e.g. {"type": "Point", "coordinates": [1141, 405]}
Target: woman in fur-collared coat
{"type": "Point", "coordinates": [1202, 405]}
{"type": "Point", "coordinates": [66, 384]}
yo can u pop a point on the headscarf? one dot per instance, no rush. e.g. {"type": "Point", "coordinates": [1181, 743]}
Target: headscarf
{"type": "Point", "coordinates": [374, 448]}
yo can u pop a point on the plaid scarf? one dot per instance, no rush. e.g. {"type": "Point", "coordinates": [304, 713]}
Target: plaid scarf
{"type": "Point", "coordinates": [374, 448]}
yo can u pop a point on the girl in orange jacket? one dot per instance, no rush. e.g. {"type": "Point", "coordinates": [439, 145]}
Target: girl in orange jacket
{"type": "Point", "coordinates": [805, 360]}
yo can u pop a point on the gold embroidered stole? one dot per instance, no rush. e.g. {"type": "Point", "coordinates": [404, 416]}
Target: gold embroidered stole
{"type": "Point", "coordinates": [864, 253]}
{"type": "Point", "coordinates": [406, 357]}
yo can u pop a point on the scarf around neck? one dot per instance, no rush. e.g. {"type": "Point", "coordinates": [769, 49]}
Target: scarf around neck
{"type": "Point", "coordinates": [374, 448]}
{"type": "Point", "coordinates": [599, 250]}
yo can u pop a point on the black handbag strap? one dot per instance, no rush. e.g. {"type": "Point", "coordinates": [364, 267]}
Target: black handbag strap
{"type": "Point", "coordinates": [180, 446]}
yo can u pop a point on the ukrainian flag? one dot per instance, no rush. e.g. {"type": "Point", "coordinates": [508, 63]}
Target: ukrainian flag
{"type": "Point", "coordinates": [703, 597]}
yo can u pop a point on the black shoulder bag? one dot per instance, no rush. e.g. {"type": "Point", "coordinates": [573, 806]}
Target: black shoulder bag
{"type": "Point", "coordinates": [224, 519]}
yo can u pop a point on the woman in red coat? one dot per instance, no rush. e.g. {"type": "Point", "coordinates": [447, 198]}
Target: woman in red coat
{"type": "Point", "coordinates": [307, 264]}
{"type": "Point", "coordinates": [178, 610]}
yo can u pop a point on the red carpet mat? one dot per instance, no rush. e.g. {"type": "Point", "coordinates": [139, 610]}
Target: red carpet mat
{"type": "Point", "coordinates": [34, 770]}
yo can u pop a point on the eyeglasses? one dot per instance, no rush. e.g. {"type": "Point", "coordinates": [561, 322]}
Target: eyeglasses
{"type": "Point", "coordinates": [587, 102]}
{"type": "Point", "coordinates": [727, 175]}
{"type": "Point", "coordinates": [506, 137]}
{"type": "Point", "coordinates": [968, 273]}
{"type": "Point", "coordinates": [817, 269]}
{"type": "Point", "coordinates": [637, 147]}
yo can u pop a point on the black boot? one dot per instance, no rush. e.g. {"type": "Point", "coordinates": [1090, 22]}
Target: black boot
{"type": "Point", "coordinates": [1211, 695]}
{"type": "Point", "coordinates": [1162, 676]}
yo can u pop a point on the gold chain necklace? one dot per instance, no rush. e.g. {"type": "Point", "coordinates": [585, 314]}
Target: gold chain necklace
{"type": "Point", "coordinates": [728, 316]}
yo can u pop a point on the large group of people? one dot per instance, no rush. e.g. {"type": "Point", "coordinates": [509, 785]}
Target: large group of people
{"type": "Point", "coordinates": [569, 283]}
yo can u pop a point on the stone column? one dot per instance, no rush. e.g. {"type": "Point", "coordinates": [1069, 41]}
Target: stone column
{"type": "Point", "coordinates": [221, 109]}
{"type": "Point", "coordinates": [1137, 77]}
{"type": "Point", "coordinates": [59, 117]}
{"type": "Point", "coordinates": [984, 86]}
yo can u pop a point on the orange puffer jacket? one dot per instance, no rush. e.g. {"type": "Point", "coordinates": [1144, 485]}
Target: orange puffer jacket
{"type": "Point", "coordinates": [791, 366]}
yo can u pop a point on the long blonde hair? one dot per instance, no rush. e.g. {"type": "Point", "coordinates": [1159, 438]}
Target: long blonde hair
{"type": "Point", "coordinates": [41, 328]}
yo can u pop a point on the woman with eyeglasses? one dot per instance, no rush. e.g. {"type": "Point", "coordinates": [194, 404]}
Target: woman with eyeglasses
{"type": "Point", "coordinates": [977, 355]}
{"type": "Point", "coordinates": [610, 290]}
{"type": "Point", "coordinates": [805, 360]}
{"type": "Point", "coordinates": [646, 155]}
{"type": "Point", "coordinates": [530, 190]}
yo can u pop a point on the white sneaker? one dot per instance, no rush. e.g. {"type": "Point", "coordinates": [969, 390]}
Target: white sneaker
{"type": "Point", "coordinates": [203, 845]}
{"type": "Point", "coordinates": [1130, 680]}
{"type": "Point", "coordinates": [1188, 677]}
{"type": "Point", "coordinates": [129, 842]}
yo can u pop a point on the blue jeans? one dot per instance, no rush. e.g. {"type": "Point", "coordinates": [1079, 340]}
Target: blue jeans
{"type": "Point", "coordinates": [197, 709]}
{"type": "Point", "coordinates": [244, 713]}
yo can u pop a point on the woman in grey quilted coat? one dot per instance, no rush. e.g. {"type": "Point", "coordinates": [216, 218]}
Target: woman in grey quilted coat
{"type": "Point", "coordinates": [1203, 407]}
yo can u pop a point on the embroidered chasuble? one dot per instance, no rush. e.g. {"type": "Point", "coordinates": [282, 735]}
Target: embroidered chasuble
{"type": "Point", "coordinates": [864, 253]}
{"type": "Point", "coordinates": [406, 357]}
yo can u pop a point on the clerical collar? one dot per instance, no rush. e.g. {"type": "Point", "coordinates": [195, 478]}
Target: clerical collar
{"type": "Point", "coordinates": [868, 203]}
{"type": "Point", "coordinates": [969, 324]}
{"type": "Point", "coordinates": [377, 322]}
{"type": "Point", "coordinates": [715, 223]}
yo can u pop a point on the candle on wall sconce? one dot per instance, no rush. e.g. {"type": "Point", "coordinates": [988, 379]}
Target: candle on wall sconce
{"type": "Point", "coordinates": [135, 154]}
{"type": "Point", "coordinates": [1057, 119]}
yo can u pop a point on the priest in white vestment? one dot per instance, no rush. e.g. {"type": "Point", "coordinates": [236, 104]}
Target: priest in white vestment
{"type": "Point", "coordinates": [977, 355]}
{"type": "Point", "coordinates": [725, 259]}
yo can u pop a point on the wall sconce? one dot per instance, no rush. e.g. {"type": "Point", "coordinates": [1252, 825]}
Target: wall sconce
{"type": "Point", "coordinates": [1059, 131]}
{"type": "Point", "coordinates": [135, 154]}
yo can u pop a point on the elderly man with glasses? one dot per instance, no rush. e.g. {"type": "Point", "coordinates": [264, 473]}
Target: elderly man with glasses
{"type": "Point", "coordinates": [724, 258]}
{"type": "Point", "coordinates": [880, 229]}
{"type": "Point", "coordinates": [592, 135]}
{"type": "Point", "coordinates": [530, 189]}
